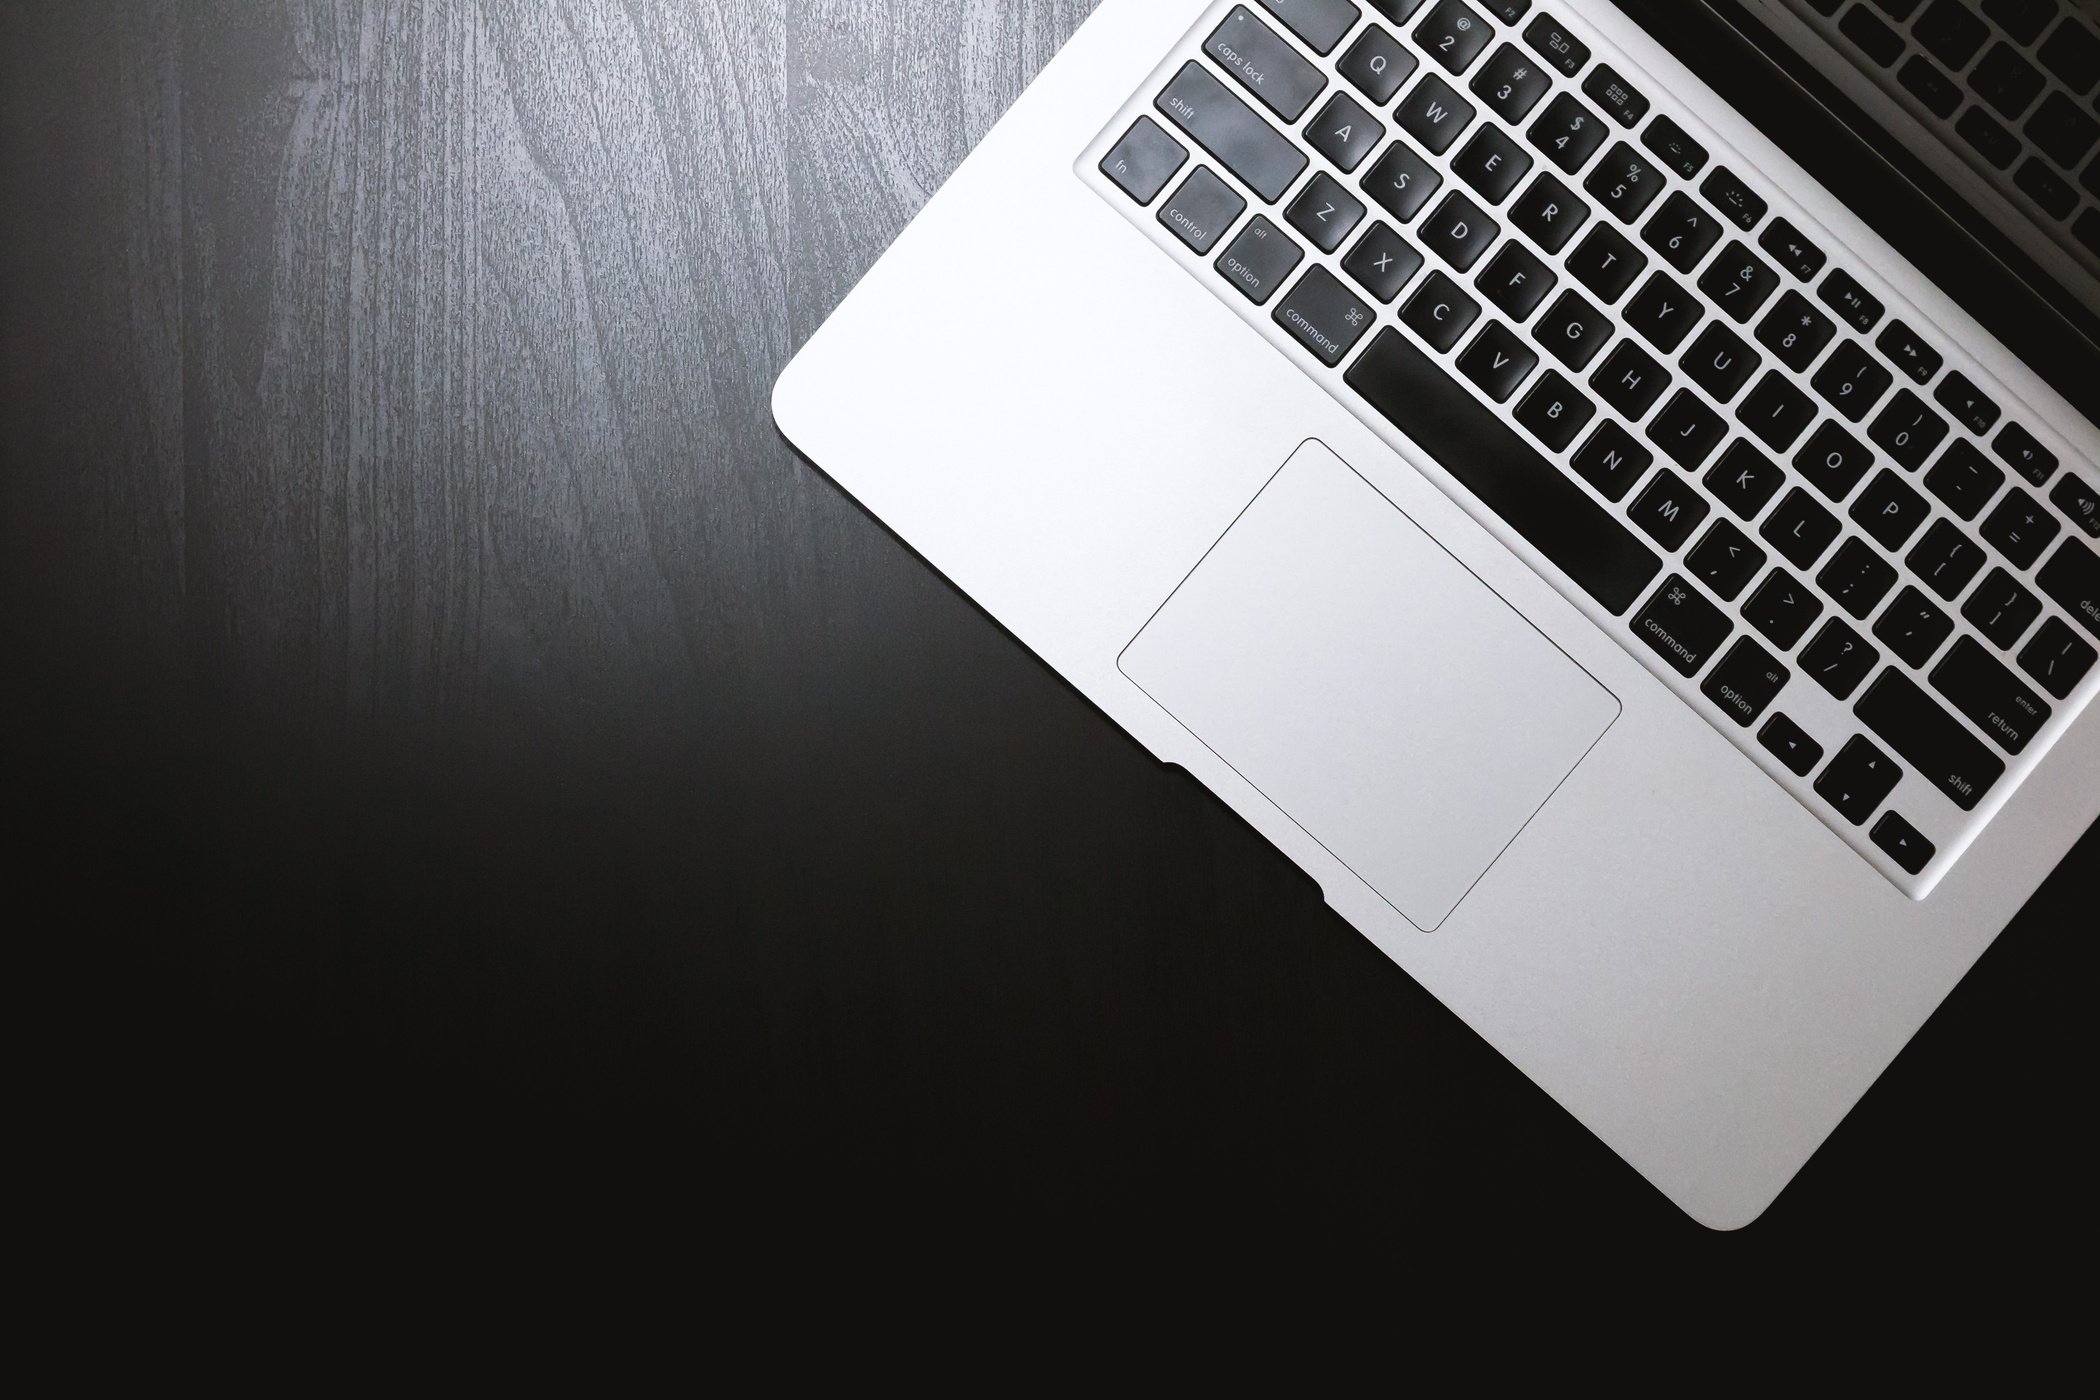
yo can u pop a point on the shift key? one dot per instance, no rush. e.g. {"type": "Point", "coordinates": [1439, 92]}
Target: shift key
{"type": "Point", "coordinates": [1944, 753]}
{"type": "Point", "coordinates": [1232, 131]}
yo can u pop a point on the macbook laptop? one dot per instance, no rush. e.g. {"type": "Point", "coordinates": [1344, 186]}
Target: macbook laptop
{"type": "Point", "coordinates": [1655, 613]}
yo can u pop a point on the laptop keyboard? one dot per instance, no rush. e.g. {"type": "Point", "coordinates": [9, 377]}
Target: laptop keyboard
{"type": "Point", "coordinates": [2012, 85]}
{"type": "Point", "coordinates": [1788, 495]}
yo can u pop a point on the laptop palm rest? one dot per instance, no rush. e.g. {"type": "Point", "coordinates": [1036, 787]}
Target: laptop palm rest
{"type": "Point", "coordinates": [1370, 685]}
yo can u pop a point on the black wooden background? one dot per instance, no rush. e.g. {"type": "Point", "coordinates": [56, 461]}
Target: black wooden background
{"type": "Point", "coordinates": [464, 756]}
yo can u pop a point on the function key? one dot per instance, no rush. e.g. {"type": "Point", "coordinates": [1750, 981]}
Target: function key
{"type": "Point", "coordinates": [1735, 200]}
{"type": "Point", "coordinates": [1859, 778]}
{"type": "Point", "coordinates": [1874, 38]}
{"type": "Point", "coordinates": [1791, 250]}
{"type": "Point", "coordinates": [1971, 407]}
{"type": "Point", "coordinates": [1677, 150]}
{"type": "Point", "coordinates": [1508, 11]}
{"type": "Point", "coordinates": [1453, 35]}
{"type": "Point", "coordinates": [1265, 64]}
{"type": "Point", "coordinates": [1616, 96]}
{"type": "Point", "coordinates": [1398, 11]}
{"type": "Point", "coordinates": [1790, 744]}
{"type": "Point", "coordinates": [1144, 160]}
{"type": "Point", "coordinates": [1909, 353]}
{"type": "Point", "coordinates": [1377, 64]}
{"type": "Point", "coordinates": [1320, 23]}
{"type": "Point", "coordinates": [2073, 54]}
{"type": "Point", "coordinates": [2057, 658]}
{"type": "Point", "coordinates": [1558, 47]}
{"type": "Point", "coordinates": [1511, 84]}
{"type": "Point", "coordinates": [1854, 304]}
{"type": "Point", "coordinates": [1901, 843]}
{"type": "Point", "coordinates": [2080, 502]}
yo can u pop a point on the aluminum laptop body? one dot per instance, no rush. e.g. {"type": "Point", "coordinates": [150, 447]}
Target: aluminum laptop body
{"type": "Point", "coordinates": [1693, 832]}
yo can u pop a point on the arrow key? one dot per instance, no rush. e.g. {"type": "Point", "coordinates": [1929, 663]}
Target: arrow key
{"type": "Point", "coordinates": [1901, 843]}
{"type": "Point", "coordinates": [1789, 743]}
{"type": "Point", "coordinates": [1858, 779]}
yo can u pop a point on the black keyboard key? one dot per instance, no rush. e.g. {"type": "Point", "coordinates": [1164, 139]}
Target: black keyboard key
{"type": "Point", "coordinates": [1800, 529]}
{"type": "Point", "coordinates": [1913, 627]}
{"type": "Point", "coordinates": [1726, 560]}
{"type": "Point", "coordinates": [1320, 23]}
{"type": "Point", "coordinates": [1839, 659]}
{"type": "Point", "coordinates": [1612, 461]}
{"type": "Point", "coordinates": [1144, 160]}
{"type": "Point", "coordinates": [1324, 315]}
{"type": "Point", "coordinates": [1434, 114]}
{"type": "Point", "coordinates": [1791, 249]}
{"type": "Point", "coordinates": [1606, 263]}
{"type": "Point", "coordinates": [1630, 380]}
{"type": "Point", "coordinates": [1964, 479]}
{"type": "Point", "coordinates": [1402, 181]}
{"type": "Point", "coordinates": [1511, 84]}
{"type": "Point", "coordinates": [2046, 188]}
{"type": "Point", "coordinates": [2063, 130]}
{"type": "Point", "coordinates": [1265, 63]}
{"type": "Point", "coordinates": [1744, 479]}
{"type": "Point", "coordinates": [1325, 212]}
{"type": "Point", "coordinates": [1558, 47]}
{"type": "Point", "coordinates": [2020, 528]}
{"type": "Point", "coordinates": [1682, 627]}
{"type": "Point", "coordinates": [1720, 362]}
{"type": "Point", "coordinates": [1984, 689]}
{"type": "Point", "coordinates": [1202, 209]}
{"type": "Point", "coordinates": [1889, 511]}
{"type": "Point", "coordinates": [1398, 11]}
{"type": "Point", "coordinates": [1833, 460]}
{"type": "Point", "coordinates": [1549, 213]}
{"type": "Point", "coordinates": [1951, 32]}
{"type": "Point", "coordinates": [1573, 331]}
{"type": "Point", "coordinates": [1789, 743]}
{"type": "Point", "coordinates": [1492, 163]}
{"type": "Point", "coordinates": [1508, 11]}
{"type": "Point", "coordinates": [1852, 381]}
{"type": "Point", "coordinates": [2023, 19]}
{"type": "Point", "coordinates": [1512, 479]}
{"type": "Point", "coordinates": [1740, 282]}
{"type": "Point", "coordinates": [2058, 658]}
{"type": "Point", "coordinates": [1912, 723]}
{"type": "Point", "coordinates": [1459, 232]}
{"type": "Point", "coordinates": [1345, 133]}
{"type": "Point", "coordinates": [1453, 34]}
{"type": "Point", "coordinates": [2080, 502]}
{"type": "Point", "coordinates": [1440, 312]}
{"type": "Point", "coordinates": [1908, 431]}
{"type": "Point", "coordinates": [1987, 138]}
{"type": "Point", "coordinates": [1669, 509]}
{"type": "Point", "coordinates": [1746, 682]}
{"type": "Point", "coordinates": [1516, 281]}
{"type": "Point", "coordinates": [1568, 132]}
{"type": "Point", "coordinates": [1738, 203]}
{"type": "Point", "coordinates": [1498, 361]}
{"type": "Point", "coordinates": [1615, 95]}
{"type": "Point", "coordinates": [1971, 407]}
{"type": "Point", "coordinates": [1675, 148]}
{"type": "Point", "coordinates": [2018, 449]}
{"type": "Point", "coordinates": [1776, 413]}
{"type": "Point", "coordinates": [1382, 262]}
{"type": "Point", "coordinates": [1625, 182]}
{"type": "Point", "coordinates": [1855, 305]}
{"type": "Point", "coordinates": [1783, 609]}
{"type": "Point", "coordinates": [1555, 411]}
{"type": "Point", "coordinates": [1377, 64]}
{"type": "Point", "coordinates": [1687, 430]}
{"type": "Point", "coordinates": [1874, 38]}
{"type": "Point", "coordinates": [1907, 350]}
{"type": "Point", "coordinates": [2087, 229]}
{"type": "Point", "coordinates": [1946, 559]}
{"type": "Point", "coordinates": [1663, 313]}
{"type": "Point", "coordinates": [1922, 79]}
{"type": "Point", "coordinates": [1795, 332]}
{"type": "Point", "coordinates": [2002, 609]}
{"type": "Point", "coordinates": [2007, 81]}
{"type": "Point", "coordinates": [1258, 261]}
{"type": "Point", "coordinates": [1902, 843]}
{"type": "Point", "coordinates": [1682, 231]}
{"type": "Point", "coordinates": [2072, 53]}
{"type": "Point", "coordinates": [1856, 578]}
{"type": "Point", "coordinates": [2071, 578]}
{"type": "Point", "coordinates": [1230, 130]}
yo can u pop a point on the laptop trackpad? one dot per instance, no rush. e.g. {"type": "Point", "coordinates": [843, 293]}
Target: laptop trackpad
{"type": "Point", "coordinates": [1370, 685]}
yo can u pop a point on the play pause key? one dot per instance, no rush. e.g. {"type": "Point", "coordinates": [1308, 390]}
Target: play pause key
{"type": "Point", "coordinates": [1900, 841]}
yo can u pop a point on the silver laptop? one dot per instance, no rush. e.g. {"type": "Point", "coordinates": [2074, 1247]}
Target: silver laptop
{"type": "Point", "coordinates": [1657, 617]}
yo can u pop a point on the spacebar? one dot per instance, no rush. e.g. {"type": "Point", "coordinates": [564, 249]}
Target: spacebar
{"type": "Point", "coordinates": [1508, 475]}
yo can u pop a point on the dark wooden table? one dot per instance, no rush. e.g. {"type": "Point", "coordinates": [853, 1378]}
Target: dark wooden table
{"type": "Point", "coordinates": [463, 753]}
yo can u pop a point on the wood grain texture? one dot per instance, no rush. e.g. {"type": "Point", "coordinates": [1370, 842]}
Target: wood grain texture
{"type": "Point", "coordinates": [449, 714]}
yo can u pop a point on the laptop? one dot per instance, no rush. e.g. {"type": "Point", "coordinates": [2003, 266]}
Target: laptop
{"type": "Point", "coordinates": [1656, 614]}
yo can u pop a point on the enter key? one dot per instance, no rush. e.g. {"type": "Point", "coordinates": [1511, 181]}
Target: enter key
{"type": "Point", "coordinates": [1991, 696]}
